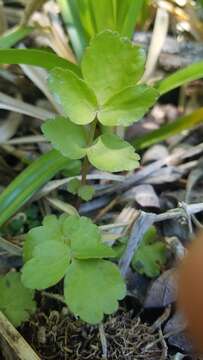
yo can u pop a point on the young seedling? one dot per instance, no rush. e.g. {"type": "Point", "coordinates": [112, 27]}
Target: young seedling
{"type": "Point", "coordinates": [105, 95]}
{"type": "Point", "coordinates": [71, 246]}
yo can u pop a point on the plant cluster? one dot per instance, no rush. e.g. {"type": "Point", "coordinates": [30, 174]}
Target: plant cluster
{"type": "Point", "coordinates": [95, 98]}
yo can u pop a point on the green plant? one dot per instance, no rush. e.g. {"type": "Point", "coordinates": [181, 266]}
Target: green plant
{"type": "Point", "coordinates": [86, 18]}
{"type": "Point", "coordinates": [101, 94]}
{"type": "Point", "coordinates": [107, 96]}
{"type": "Point", "coordinates": [71, 246]}
{"type": "Point", "coordinates": [16, 301]}
{"type": "Point", "coordinates": [151, 254]}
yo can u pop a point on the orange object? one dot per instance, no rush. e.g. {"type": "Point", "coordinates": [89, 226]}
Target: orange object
{"type": "Point", "coordinates": [190, 290]}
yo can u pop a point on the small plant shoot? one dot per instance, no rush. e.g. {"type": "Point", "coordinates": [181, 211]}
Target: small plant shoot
{"type": "Point", "coordinates": [16, 301]}
{"type": "Point", "coordinates": [104, 95]}
{"type": "Point", "coordinates": [70, 247]}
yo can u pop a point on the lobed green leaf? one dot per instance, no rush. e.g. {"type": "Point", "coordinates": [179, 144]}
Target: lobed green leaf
{"type": "Point", "coordinates": [110, 153]}
{"type": "Point", "coordinates": [111, 63]}
{"type": "Point", "coordinates": [47, 266]}
{"type": "Point", "coordinates": [127, 106]}
{"type": "Point", "coordinates": [51, 230]}
{"type": "Point", "coordinates": [92, 288]}
{"type": "Point", "coordinates": [86, 192]}
{"type": "Point", "coordinates": [72, 93]}
{"type": "Point", "coordinates": [16, 301]}
{"type": "Point", "coordinates": [65, 136]}
{"type": "Point", "coordinates": [85, 239]}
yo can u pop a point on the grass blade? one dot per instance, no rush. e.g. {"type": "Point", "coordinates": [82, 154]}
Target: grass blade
{"type": "Point", "coordinates": [180, 77]}
{"type": "Point", "coordinates": [16, 34]}
{"type": "Point", "coordinates": [70, 11]}
{"type": "Point", "coordinates": [33, 57]}
{"type": "Point", "coordinates": [128, 12]}
{"type": "Point", "coordinates": [29, 181]}
{"type": "Point", "coordinates": [174, 128]}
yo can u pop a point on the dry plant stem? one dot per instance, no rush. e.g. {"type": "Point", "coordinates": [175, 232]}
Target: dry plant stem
{"type": "Point", "coordinates": [157, 41]}
{"type": "Point", "coordinates": [31, 7]}
{"type": "Point", "coordinates": [107, 208]}
{"type": "Point", "coordinates": [3, 22]}
{"type": "Point", "coordinates": [54, 296]}
{"type": "Point", "coordinates": [19, 106]}
{"type": "Point", "coordinates": [9, 247]}
{"type": "Point", "coordinates": [16, 342]}
{"type": "Point", "coordinates": [143, 223]}
{"type": "Point", "coordinates": [103, 342]}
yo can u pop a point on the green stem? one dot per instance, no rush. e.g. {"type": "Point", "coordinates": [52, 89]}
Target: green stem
{"type": "Point", "coordinates": [85, 165]}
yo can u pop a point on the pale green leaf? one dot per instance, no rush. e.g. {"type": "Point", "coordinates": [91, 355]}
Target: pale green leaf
{"type": "Point", "coordinates": [72, 93]}
{"type": "Point", "coordinates": [110, 153]}
{"type": "Point", "coordinates": [127, 106]}
{"type": "Point", "coordinates": [16, 302]}
{"type": "Point", "coordinates": [111, 63]}
{"type": "Point", "coordinates": [65, 136]}
{"type": "Point", "coordinates": [85, 238]}
{"type": "Point", "coordinates": [51, 230]}
{"type": "Point", "coordinates": [73, 186]}
{"type": "Point", "coordinates": [92, 288]}
{"type": "Point", "coordinates": [86, 192]}
{"type": "Point", "coordinates": [47, 266]}
{"type": "Point", "coordinates": [149, 258]}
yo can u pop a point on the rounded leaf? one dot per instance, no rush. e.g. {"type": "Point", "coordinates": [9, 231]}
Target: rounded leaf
{"type": "Point", "coordinates": [111, 63]}
{"type": "Point", "coordinates": [72, 93]}
{"type": "Point", "coordinates": [47, 266]}
{"type": "Point", "coordinates": [92, 288]}
{"type": "Point", "coordinates": [127, 106]}
{"type": "Point", "coordinates": [110, 153]}
{"type": "Point", "coordinates": [16, 302]}
{"type": "Point", "coordinates": [85, 238]}
{"type": "Point", "coordinates": [65, 136]}
{"type": "Point", "coordinates": [86, 192]}
{"type": "Point", "coordinates": [51, 230]}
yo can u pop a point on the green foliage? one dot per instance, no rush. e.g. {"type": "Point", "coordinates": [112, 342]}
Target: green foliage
{"type": "Point", "coordinates": [65, 136]}
{"type": "Point", "coordinates": [92, 289]}
{"type": "Point", "coordinates": [120, 109]}
{"type": "Point", "coordinates": [16, 302]}
{"type": "Point", "coordinates": [124, 67]}
{"type": "Point", "coordinates": [73, 168]}
{"type": "Point", "coordinates": [35, 57]}
{"type": "Point", "coordinates": [81, 106]}
{"type": "Point", "coordinates": [47, 266]}
{"type": "Point", "coordinates": [71, 246]}
{"type": "Point", "coordinates": [150, 256]}
{"type": "Point", "coordinates": [73, 186]}
{"type": "Point", "coordinates": [180, 77]}
{"type": "Point", "coordinates": [107, 93]}
{"type": "Point", "coordinates": [85, 18]}
{"type": "Point", "coordinates": [14, 35]}
{"type": "Point", "coordinates": [29, 181]}
{"type": "Point", "coordinates": [173, 128]}
{"type": "Point", "coordinates": [110, 153]}
{"type": "Point", "coordinates": [86, 192]}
